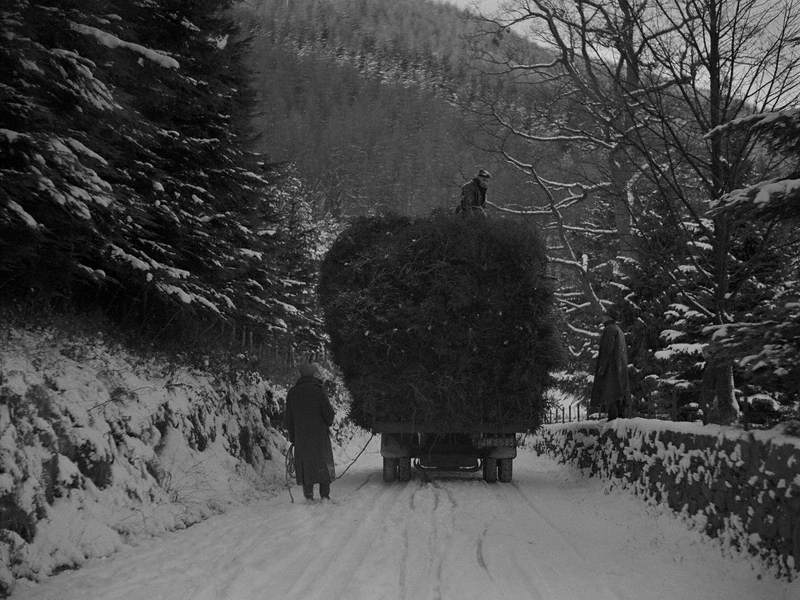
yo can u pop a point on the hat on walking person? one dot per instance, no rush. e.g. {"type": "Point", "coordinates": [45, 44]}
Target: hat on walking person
{"type": "Point", "coordinates": [308, 368]}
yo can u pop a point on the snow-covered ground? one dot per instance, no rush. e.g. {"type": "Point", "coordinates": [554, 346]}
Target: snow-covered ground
{"type": "Point", "coordinates": [99, 445]}
{"type": "Point", "coordinates": [552, 534]}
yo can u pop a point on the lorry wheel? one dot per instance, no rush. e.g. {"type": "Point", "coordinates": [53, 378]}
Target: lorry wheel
{"type": "Point", "coordinates": [505, 466]}
{"type": "Point", "coordinates": [389, 469]}
{"type": "Point", "coordinates": [404, 469]}
{"type": "Point", "coordinates": [490, 470]}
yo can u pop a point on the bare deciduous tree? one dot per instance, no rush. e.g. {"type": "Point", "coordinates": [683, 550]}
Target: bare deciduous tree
{"type": "Point", "coordinates": [641, 87]}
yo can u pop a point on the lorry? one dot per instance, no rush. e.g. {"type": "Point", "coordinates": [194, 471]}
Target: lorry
{"type": "Point", "coordinates": [446, 334]}
{"type": "Point", "coordinates": [491, 449]}
{"type": "Point", "coordinates": [488, 447]}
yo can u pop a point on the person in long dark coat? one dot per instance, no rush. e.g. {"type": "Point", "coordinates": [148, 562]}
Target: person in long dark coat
{"type": "Point", "coordinates": [307, 418]}
{"type": "Point", "coordinates": [611, 390]}
{"type": "Point", "coordinates": [473, 193]}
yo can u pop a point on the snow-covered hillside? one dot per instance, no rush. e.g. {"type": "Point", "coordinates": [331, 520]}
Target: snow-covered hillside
{"type": "Point", "coordinates": [99, 446]}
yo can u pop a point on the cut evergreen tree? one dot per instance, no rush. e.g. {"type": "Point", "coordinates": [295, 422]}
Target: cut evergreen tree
{"type": "Point", "coordinates": [445, 322]}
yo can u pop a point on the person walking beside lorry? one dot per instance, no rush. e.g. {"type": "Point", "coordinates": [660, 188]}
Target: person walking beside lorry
{"type": "Point", "coordinates": [307, 418]}
{"type": "Point", "coordinates": [611, 390]}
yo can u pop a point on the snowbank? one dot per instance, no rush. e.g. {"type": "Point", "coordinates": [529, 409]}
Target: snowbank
{"type": "Point", "coordinates": [99, 447]}
{"type": "Point", "coordinates": [740, 487]}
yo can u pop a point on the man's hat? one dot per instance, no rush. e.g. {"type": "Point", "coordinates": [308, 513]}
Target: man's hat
{"type": "Point", "coordinates": [611, 312]}
{"type": "Point", "coordinates": [484, 173]}
{"type": "Point", "coordinates": [308, 368]}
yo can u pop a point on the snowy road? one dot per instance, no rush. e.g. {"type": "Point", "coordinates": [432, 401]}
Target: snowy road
{"type": "Point", "coordinates": [549, 535]}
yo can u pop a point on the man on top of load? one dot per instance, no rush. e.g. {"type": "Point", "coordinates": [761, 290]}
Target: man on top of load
{"type": "Point", "coordinates": [473, 193]}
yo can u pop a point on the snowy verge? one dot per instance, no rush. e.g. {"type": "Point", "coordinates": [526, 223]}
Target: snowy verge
{"type": "Point", "coordinates": [100, 448]}
{"type": "Point", "coordinates": [742, 488]}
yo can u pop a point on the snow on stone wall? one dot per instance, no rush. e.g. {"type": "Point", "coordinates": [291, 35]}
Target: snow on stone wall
{"type": "Point", "coordinates": [740, 487]}
{"type": "Point", "coordinates": [99, 447]}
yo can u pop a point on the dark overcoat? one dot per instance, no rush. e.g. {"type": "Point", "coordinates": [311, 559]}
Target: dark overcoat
{"type": "Point", "coordinates": [610, 390]}
{"type": "Point", "coordinates": [473, 195]}
{"type": "Point", "coordinates": [307, 418]}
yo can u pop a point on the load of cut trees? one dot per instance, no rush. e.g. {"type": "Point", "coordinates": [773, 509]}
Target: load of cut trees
{"type": "Point", "coordinates": [443, 321]}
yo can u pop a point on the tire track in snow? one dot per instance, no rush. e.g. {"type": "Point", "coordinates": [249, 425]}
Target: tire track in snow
{"type": "Point", "coordinates": [479, 553]}
{"type": "Point", "coordinates": [414, 495]}
{"type": "Point", "coordinates": [242, 560]}
{"type": "Point", "coordinates": [449, 493]}
{"type": "Point", "coordinates": [562, 536]}
{"type": "Point", "coordinates": [442, 534]}
{"type": "Point", "coordinates": [417, 550]}
{"type": "Point", "coordinates": [427, 536]}
{"type": "Point", "coordinates": [322, 527]}
{"type": "Point", "coordinates": [329, 573]}
{"type": "Point", "coordinates": [404, 566]}
{"type": "Point", "coordinates": [601, 586]}
{"type": "Point", "coordinates": [404, 559]}
{"type": "Point", "coordinates": [512, 573]}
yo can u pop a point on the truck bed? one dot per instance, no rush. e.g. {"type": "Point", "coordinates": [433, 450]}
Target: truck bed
{"type": "Point", "coordinates": [422, 427]}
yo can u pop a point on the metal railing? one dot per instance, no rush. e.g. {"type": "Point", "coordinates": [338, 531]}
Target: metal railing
{"type": "Point", "coordinates": [564, 414]}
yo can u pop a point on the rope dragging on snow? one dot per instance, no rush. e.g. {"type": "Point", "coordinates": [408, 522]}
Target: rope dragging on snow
{"type": "Point", "coordinates": [290, 470]}
{"type": "Point", "coordinates": [352, 462]}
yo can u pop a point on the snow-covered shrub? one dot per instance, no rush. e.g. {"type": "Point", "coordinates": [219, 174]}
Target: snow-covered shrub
{"type": "Point", "coordinates": [99, 445]}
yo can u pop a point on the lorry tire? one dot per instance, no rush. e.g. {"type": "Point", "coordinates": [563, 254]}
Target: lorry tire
{"type": "Point", "coordinates": [490, 470]}
{"type": "Point", "coordinates": [404, 469]}
{"type": "Point", "coordinates": [389, 469]}
{"type": "Point", "coordinates": [505, 466]}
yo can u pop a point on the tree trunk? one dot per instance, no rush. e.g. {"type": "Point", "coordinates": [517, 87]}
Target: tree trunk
{"type": "Point", "coordinates": [621, 174]}
{"type": "Point", "coordinates": [621, 168]}
{"type": "Point", "coordinates": [724, 408]}
{"type": "Point", "coordinates": [718, 393]}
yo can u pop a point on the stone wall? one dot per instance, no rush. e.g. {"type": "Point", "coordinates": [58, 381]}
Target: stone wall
{"type": "Point", "coordinates": [740, 487]}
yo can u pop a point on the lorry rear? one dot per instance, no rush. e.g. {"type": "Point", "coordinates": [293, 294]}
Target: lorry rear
{"type": "Point", "coordinates": [429, 447]}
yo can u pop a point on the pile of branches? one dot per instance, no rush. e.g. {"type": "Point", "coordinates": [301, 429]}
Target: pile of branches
{"type": "Point", "coordinates": [443, 321]}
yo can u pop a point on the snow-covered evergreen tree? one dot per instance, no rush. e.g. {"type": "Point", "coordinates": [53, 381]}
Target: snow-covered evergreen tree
{"type": "Point", "coordinates": [766, 341]}
{"type": "Point", "coordinates": [124, 182]}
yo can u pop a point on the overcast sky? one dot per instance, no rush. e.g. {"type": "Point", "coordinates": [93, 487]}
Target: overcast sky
{"type": "Point", "coordinates": [483, 5]}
